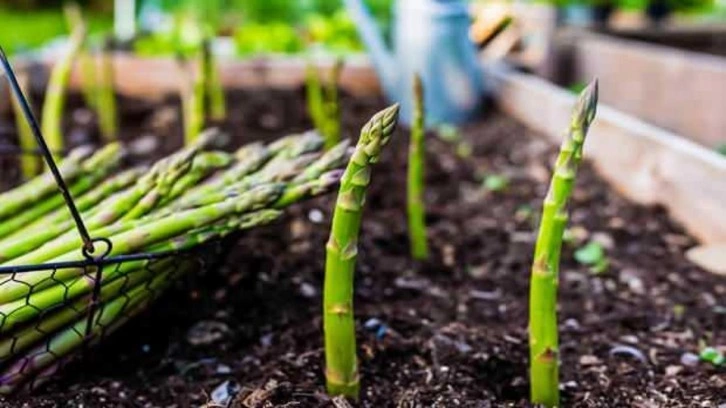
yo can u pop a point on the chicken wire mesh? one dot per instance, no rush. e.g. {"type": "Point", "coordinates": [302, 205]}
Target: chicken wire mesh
{"type": "Point", "coordinates": [53, 312]}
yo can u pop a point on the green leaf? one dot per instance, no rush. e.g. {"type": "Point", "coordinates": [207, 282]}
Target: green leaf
{"type": "Point", "coordinates": [449, 133]}
{"type": "Point", "coordinates": [591, 254]}
{"type": "Point", "coordinates": [721, 149]}
{"type": "Point", "coordinates": [713, 356]}
{"type": "Point", "coordinates": [496, 182]}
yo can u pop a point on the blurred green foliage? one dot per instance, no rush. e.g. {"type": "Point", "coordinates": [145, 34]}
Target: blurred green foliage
{"type": "Point", "coordinates": [22, 31]}
{"type": "Point", "coordinates": [263, 26]}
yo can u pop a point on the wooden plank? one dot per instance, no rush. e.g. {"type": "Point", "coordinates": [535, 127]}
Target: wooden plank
{"type": "Point", "coordinates": [679, 90]}
{"type": "Point", "coordinates": [645, 163]}
{"type": "Point", "coordinates": [155, 77]}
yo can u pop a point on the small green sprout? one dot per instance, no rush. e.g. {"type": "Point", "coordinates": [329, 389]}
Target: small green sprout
{"type": "Point", "coordinates": [449, 133]}
{"type": "Point", "coordinates": [721, 149]}
{"type": "Point", "coordinates": [593, 255]}
{"type": "Point", "coordinates": [713, 356]}
{"type": "Point", "coordinates": [496, 183]}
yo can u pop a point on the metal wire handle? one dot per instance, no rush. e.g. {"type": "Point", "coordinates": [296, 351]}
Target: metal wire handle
{"type": "Point", "coordinates": [88, 242]}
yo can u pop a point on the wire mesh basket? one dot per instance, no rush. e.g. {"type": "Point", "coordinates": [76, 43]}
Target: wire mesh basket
{"type": "Point", "coordinates": [53, 312]}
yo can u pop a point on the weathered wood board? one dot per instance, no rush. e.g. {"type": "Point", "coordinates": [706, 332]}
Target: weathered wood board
{"type": "Point", "coordinates": [645, 163]}
{"type": "Point", "coordinates": [679, 90]}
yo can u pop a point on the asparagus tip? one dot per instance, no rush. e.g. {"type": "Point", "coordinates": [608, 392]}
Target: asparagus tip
{"type": "Point", "coordinates": [584, 112]}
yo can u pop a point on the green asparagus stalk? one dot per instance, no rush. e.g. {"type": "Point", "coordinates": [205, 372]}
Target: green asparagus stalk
{"type": "Point", "coordinates": [193, 106]}
{"type": "Point", "coordinates": [84, 203]}
{"type": "Point", "coordinates": [342, 248]}
{"type": "Point", "coordinates": [543, 336]}
{"type": "Point", "coordinates": [416, 160]}
{"type": "Point", "coordinates": [213, 84]}
{"type": "Point", "coordinates": [38, 301]}
{"type": "Point", "coordinates": [14, 200]}
{"type": "Point", "coordinates": [314, 97]}
{"type": "Point", "coordinates": [106, 97]}
{"type": "Point", "coordinates": [89, 84]}
{"type": "Point", "coordinates": [332, 107]}
{"type": "Point", "coordinates": [29, 163]}
{"type": "Point", "coordinates": [52, 115]}
{"type": "Point", "coordinates": [130, 240]}
{"type": "Point", "coordinates": [323, 103]}
{"type": "Point", "coordinates": [94, 170]}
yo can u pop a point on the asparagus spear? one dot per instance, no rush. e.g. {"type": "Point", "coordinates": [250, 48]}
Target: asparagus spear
{"type": "Point", "coordinates": [332, 106]}
{"type": "Point", "coordinates": [52, 115]}
{"type": "Point", "coordinates": [416, 159]}
{"type": "Point", "coordinates": [339, 326]}
{"type": "Point", "coordinates": [543, 338]}
{"type": "Point", "coordinates": [29, 163]}
{"type": "Point", "coordinates": [85, 202]}
{"type": "Point", "coordinates": [38, 302]}
{"type": "Point", "coordinates": [213, 84]}
{"type": "Point", "coordinates": [14, 200]}
{"type": "Point", "coordinates": [129, 241]}
{"type": "Point", "coordinates": [106, 97]}
{"type": "Point", "coordinates": [94, 170]}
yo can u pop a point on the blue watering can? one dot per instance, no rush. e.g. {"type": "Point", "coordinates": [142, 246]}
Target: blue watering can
{"type": "Point", "coordinates": [431, 38]}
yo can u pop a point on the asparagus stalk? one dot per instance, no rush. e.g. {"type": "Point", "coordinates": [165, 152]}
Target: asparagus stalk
{"type": "Point", "coordinates": [323, 103]}
{"type": "Point", "coordinates": [84, 203]}
{"type": "Point", "coordinates": [52, 115]}
{"type": "Point", "coordinates": [94, 170]}
{"type": "Point", "coordinates": [89, 84]}
{"type": "Point", "coordinates": [38, 302]}
{"type": "Point", "coordinates": [193, 101]}
{"type": "Point", "coordinates": [339, 326]}
{"type": "Point", "coordinates": [29, 163]}
{"type": "Point", "coordinates": [106, 97]}
{"type": "Point", "coordinates": [332, 107]}
{"type": "Point", "coordinates": [543, 336]}
{"type": "Point", "coordinates": [213, 84]}
{"type": "Point", "coordinates": [416, 160]}
{"type": "Point", "coordinates": [14, 200]}
{"type": "Point", "coordinates": [130, 240]}
{"type": "Point", "coordinates": [314, 97]}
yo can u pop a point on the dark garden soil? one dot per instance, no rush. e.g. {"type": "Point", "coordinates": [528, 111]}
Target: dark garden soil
{"type": "Point", "coordinates": [444, 333]}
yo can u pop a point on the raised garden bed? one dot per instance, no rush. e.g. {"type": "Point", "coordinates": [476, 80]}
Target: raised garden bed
{"type": "Point", "coordinates": [451, 331]}
{"type": "Point", "coordinates": [676, 85]}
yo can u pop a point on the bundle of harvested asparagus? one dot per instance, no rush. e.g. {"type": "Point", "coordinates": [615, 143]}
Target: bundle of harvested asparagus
{"type": "Point", "coordinates": [189, 198]}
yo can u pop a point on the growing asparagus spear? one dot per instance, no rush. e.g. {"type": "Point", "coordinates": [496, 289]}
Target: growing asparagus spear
{"type": "Point", "coordinates": [416, 159]}
{"type": "Point", "coordinates": [543, 339]}
{"type": "Point", "coordinates": [323, 103]}
{"type": "Point", "coordinates": [29, 163]}
{"type": "Point", "coordinates": [52, 115]}
{"type": "Point", "coordinates": [342, 250]}
{"type": "Point", "coordinates": [106, 96]}
{"type": "Point", "coordinates": [193, 106]}
{"type": "Point", "coordinates": [332, 106]}
{"type": "Point", "coordinates": [213, 84]}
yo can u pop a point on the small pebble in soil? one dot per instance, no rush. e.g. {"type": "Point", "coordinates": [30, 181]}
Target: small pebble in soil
{"type": "Point", "coordinates": [223, 394]}
{"type": "Point", "coordinates": [144, 145]}
{"type": "Point", "coordinates": [589, 360]}
{"type": "Point", "coordinates": [690, 359]}
{"type": "Point", "coordinates": [308, 291]}
{"type": "Point", "coordinates": [628, 351]}
{"type": "Point", "coordinates": [207, 332]}
{"type": "Point", "coordinates": [316, 216]}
